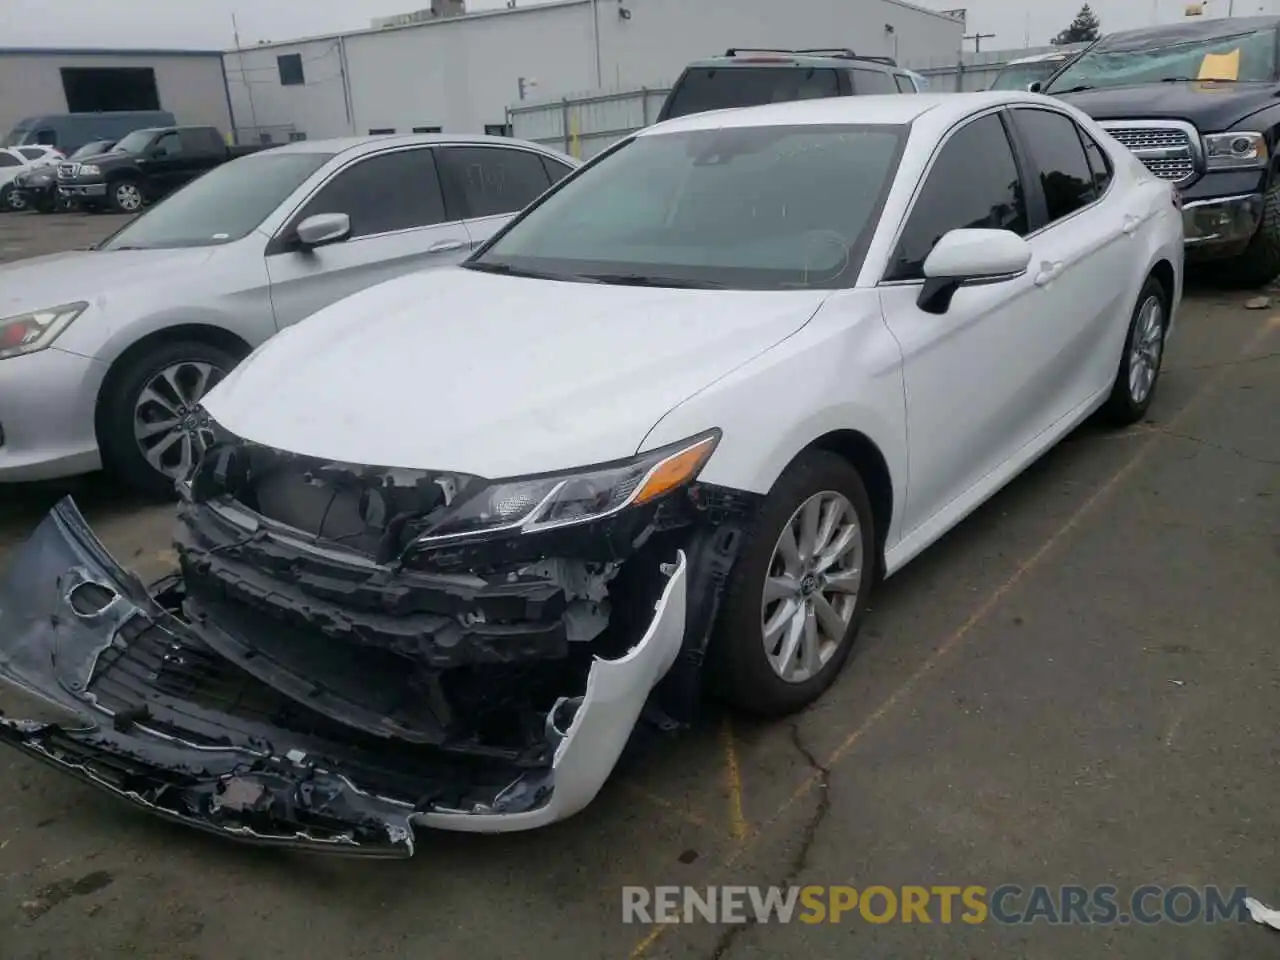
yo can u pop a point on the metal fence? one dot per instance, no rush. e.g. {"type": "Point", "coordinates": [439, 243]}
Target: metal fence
{"type": "Point", "coordinates": [584, 124]}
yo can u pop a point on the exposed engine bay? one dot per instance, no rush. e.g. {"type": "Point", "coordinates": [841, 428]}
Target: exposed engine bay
{"type": "Point", "coordinates": [326, 671]}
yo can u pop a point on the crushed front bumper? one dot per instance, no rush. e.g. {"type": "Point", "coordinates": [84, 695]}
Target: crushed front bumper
{"type": "Point", "coordinates": [101, 679]}
{"type": "Point", "coordinates": [1222, 225]}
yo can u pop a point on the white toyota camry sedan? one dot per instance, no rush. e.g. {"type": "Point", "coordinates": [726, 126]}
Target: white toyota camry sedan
{"type": "Point", "coordinates": [466, 533]}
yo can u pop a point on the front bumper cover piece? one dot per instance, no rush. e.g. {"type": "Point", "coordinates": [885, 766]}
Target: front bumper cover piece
{"type": "Point", "coordinates": [103, 680]}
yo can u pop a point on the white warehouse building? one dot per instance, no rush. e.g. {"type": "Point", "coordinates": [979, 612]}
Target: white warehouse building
{"type": "Point", "coordinates": [457, 72]}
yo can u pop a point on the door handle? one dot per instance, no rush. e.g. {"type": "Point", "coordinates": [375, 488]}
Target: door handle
{"type": "Point", "coordinates": [1131, 224]}
{"type": "Point", "coordinates": [446, 246]}
{"type": "Point", "coordinates": [1049, 272]}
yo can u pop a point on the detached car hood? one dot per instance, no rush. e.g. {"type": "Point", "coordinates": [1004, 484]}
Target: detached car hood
{"type": "Point", "coordinates": [90, 275]}
{"type": "Point", "coordinates": [1211, 107]}
{"type": "Point", "coordinates": [495, 375]}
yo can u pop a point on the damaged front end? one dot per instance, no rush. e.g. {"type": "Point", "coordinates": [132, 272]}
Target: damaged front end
{"type": "Point", "coordinates": [328, 669]}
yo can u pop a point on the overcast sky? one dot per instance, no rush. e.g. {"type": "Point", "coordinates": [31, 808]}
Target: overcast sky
{"type": "Point", "coordinates": [207, 23]}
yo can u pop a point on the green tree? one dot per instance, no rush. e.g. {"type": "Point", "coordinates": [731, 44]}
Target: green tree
{"type": "Point", "coordinates": [1083, 29]}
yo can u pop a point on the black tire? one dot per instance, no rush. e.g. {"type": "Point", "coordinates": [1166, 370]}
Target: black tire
{"type": "Point", "coordinates": [126, 187]}
{"type": "Point", "coordinates": [121, 451]}
{"type": "Point", "coordinates": [1122, 408]}
{"type": "Point", "coordinates": [17, 200]}
{"type": "Point", "coordinates": [6, 193]}
{"type": "Point", "coordinates": [1259, 264]}
{"type": "Point", "coordinates": [741, 671]}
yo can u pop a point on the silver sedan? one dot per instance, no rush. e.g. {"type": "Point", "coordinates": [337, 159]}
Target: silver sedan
{"type": "Point", "coordinates": [105, 354]}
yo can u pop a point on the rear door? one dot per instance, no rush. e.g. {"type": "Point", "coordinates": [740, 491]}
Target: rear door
{"type": "Point", "coordinates": [1082, 232]}
{"type": "Point", "coordinates": [490, 184]}
{"type": "Point", "coordinates": [399, 223]}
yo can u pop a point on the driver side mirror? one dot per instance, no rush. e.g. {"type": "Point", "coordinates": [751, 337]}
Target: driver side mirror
{"type": "Point", "coordinates": [1035, 86]}
{"type": "Point", "coordinates": [968, 258]}
{"type": "Point", "coordinates": [321, 229]}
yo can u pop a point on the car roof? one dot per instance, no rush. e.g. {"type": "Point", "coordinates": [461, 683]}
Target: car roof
{"type": "Point", "coordinates": [791, 58]}
{"type": "Point", "coordinates": [336, 145]}
{"type": "Point", "coordinates": [888, 109]}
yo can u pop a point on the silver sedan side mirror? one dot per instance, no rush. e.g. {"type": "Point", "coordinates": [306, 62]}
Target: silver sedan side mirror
{"type": "Point", "coordinates": [323, 228]}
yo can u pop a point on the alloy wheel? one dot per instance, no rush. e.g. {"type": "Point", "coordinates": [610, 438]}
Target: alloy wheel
{"type": "Point", "coordinates": [17, 200]}
{"type": "Point", "coordinates": [128, 197]}
{"type": "Point", "coordinates": [811, 589]}
{"type": "Point", "coordinates": [170, 426]}
{"type": "Point", "coordinates": [1147, 345]}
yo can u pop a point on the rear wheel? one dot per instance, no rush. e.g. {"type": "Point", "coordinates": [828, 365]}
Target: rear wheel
{"type": "Point", "coordinates": [797, 594]}
{"type": "Point", "coordinates": [1135, 383]}
{"type": "Point", "coordinates": [152, 428]}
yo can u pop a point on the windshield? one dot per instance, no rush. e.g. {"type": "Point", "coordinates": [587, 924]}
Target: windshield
{"type": "Point", "coordinates": [135, 142]}
{"type": "Point", "coordinates": [716, 88]}
{"type": "Point", "coordinates": [763, 208]}
{"type": "Point", "coordinates": [223, 205]}
{"type": "Point", "coordinates": [1239, 57]}
{"type": "Point", "coordinates": [91, 149]}
{"type": "Point", "coordinates": [15, 137]}
{"type": "Point", "coordinates": [1017, 76]}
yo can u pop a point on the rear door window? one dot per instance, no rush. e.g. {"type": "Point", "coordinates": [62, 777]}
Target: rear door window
{"type": "Point", "coordinates": [719, 88]}
{"type": "Point", "coordinates": [489, 181]}
{"type": "Point", "coordinates": [1053, 142]}
{"type": "Point", "coordinates": [872, 81]}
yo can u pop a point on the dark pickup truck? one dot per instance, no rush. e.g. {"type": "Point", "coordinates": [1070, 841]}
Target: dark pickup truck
{"type": "Point", "coordinates": [144, 166]}
{"type": "Point", "coordinates": [1199, 104]}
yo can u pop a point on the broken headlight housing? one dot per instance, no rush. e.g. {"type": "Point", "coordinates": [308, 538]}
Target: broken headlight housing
{"type": "Point", "coordinates": [551, 501]}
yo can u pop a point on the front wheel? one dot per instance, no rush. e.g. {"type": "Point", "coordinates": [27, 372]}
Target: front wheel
{"type": "Point", "coordinates": [125, 196]}
{"type": "Point", "coordinates": [6, 197]}
{"type": "Point", "coordinates": [1259, 263]}
{"type": "Point", "coordinates": [151, 427]}
{"type": "Point", "coordinates": [797, 594]}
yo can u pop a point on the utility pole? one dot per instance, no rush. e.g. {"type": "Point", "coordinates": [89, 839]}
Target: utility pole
{"type": "Point", "coordinates": [244, 77]}
{"type": "Point", "coordinates": [977, 39]}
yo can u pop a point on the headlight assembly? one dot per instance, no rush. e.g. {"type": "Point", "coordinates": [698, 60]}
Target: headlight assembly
{"type": "Point", "coordinates": [89, 170]}
{"type": "Point", "coordinates": [29, 332]}
{"type": "Point", "coordinates": [536, 504]}
{"type": "Point", "coordinates": [1235, 151]}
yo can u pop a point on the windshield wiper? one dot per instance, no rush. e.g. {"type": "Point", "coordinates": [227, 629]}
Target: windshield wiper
{"type": "Point", "coordinates": [1075, 89]}
{"type": "Point", "coordinates": [507, 270]}
{"type": "Point", "coordinates": [644, 280]}
{"type": "Point", "coordinates": [1198, 80]}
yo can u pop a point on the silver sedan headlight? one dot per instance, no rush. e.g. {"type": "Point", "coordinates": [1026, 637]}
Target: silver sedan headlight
{"type": "Point", "coordinates": [29, 332]}
{"type": "Point", "coordinates": [536, 504]}
{"type": "Point", "coordinates": [1235, 151]}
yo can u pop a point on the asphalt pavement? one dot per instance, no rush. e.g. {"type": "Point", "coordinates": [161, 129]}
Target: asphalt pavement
{"type": "Point", "coordinates": [1076, 686]}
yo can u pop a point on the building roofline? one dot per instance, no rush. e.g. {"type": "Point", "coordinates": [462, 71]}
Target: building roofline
{"type": "Point", "coordinates": [916, 8]}
{"type": "Point", "coordinates": [440, 21]}
{"type": "Point", "coordinates": [103, 52]}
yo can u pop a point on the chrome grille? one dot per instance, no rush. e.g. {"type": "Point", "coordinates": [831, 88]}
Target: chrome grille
{"type": "Point", "coordinates": [1169, 150]}
{"type": "Point", "coordinates": [66, 171]}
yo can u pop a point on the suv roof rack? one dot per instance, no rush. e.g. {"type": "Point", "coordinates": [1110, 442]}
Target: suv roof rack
{"type": "Point", "coordinates": [843, 53]}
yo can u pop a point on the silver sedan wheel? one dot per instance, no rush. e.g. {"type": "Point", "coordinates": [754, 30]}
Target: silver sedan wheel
{"type": "Point", "coordinates": [811, 591]}
{"type": "Point", "coordinates": [128, 197]}
{"type": "Point", "coordinates": [1144, 353]}
{"type": "Point", "coordinates": [169, 424]}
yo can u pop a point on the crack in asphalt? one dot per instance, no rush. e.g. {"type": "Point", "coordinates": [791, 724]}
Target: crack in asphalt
{"type": "Point", "coordinates": [808, 836]}
{"type": "Point", "coordinates": [1242, 454]}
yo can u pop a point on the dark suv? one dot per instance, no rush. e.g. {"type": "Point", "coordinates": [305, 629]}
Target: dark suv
{"type": "Point", "coordinates": [750, 77]}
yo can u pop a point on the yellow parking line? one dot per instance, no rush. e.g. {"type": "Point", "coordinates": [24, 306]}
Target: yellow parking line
{"type": "Point", "coordinates": [738, 827]}
{"type": "Point", "coordinates": [958, 636]}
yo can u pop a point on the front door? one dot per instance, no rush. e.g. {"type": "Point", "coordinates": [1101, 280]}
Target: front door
{"type": "Point", "coordinates": [972, 375]}
{"type": "Point", "coordinates": [399, 223]}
